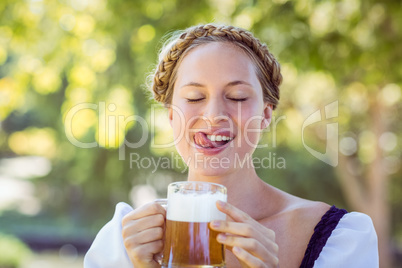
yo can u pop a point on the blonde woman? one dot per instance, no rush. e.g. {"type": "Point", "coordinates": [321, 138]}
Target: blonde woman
{"type": "Point", "coordinates": [220, 85]}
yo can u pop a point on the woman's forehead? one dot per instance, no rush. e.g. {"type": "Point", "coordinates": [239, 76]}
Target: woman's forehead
{"type": "Point", "coordinates": [216, 61]}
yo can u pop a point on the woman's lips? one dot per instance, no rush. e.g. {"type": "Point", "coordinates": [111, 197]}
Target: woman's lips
{"type": "Point", "coordinates": [204, 141]}
{"type": "Point", "coordinates": [208, 147]}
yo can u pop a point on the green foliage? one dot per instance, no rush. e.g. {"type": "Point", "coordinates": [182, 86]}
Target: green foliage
{"type": "Point", "coordinates": [55, 55]}
{"type": "Point", "coordinates": [13, 251]}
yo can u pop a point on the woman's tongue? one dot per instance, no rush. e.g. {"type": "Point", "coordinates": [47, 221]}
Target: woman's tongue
{"type": "Point", "coordinates": [202, 140]}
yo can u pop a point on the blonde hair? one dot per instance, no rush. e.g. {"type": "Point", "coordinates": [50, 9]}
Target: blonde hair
{"type": "Point", "coordinates": [175, 49]}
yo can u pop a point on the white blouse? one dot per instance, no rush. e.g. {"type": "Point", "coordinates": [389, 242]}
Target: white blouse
{"type": "Point", "coordinates": [353, 243]}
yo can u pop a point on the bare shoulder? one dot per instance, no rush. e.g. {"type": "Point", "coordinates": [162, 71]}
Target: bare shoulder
{"type": "Point", "coordinates": [307, 211]}
{"type": "Point", "coordinates": [298, 209]}
{"type": "Point", "coordinates": [294, 225]}
{"type": "Point", "coordinates": [303, 215]}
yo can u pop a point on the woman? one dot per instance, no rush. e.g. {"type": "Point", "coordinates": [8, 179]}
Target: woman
{"type": "Point", "coordinates": [220, 85]}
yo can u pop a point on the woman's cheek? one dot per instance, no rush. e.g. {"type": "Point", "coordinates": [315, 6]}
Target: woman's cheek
{"type": "Point", "coordinates": [251, 128]}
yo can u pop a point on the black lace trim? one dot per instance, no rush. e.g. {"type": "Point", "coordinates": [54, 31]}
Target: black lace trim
{"type": "Point", "coordinates": [322, 232]}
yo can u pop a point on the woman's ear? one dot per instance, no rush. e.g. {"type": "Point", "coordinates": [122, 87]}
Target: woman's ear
{"type": "Point", "coordinates": [267, 115]}
{"type": "Point", "coordinates": [170, 115]}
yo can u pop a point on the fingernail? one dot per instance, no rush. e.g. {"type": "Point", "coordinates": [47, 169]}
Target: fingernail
{"type": "Point", "coordinates": [221, 203]}
{"type": "Point", "coordinates": [216, 224]}
{"type": "Point", "coordinates": [221, 237]}
{"type": "Point", "coordinates": [236, 250]}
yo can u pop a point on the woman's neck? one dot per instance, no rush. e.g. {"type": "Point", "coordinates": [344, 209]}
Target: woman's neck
{"type": "Point", "coordinates": [245, 191]}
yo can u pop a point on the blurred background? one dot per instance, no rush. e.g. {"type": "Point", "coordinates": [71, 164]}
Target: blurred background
{"type": "Point", "coordinates": [72, 91]}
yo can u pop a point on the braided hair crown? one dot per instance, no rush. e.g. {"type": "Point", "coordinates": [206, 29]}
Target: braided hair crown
{"type": "Point", "coordinates": [267, 67]}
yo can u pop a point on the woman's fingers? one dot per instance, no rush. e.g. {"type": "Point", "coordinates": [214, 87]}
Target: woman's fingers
{"type": "Point", "coordinates": [264, 235]}
{"type": "Point", "coordinates": [146, 236]}
{"type": "Point", "coordinates": [249, 244]}
{"type": "Point", "coordinates": [233, 212]}
{"type": "Point", "coordinates": [145, 252]}
{"type": "Point", "coordinates": [253, 246]}
{"type": "Point", "coordinates": [236, 228]}
{"type": "Point", "coordinates": [142, 231]}
{"type": "Point", "coordinates": [146, 210]}
{"type": "Point", "coordinates": [143, 223]}
{"type": "Point", "coordinates": [248, 260]}
{"type": "Point", "coordinates": [252, 243]}
{"type": "Point", "coordinates": [239, 216]}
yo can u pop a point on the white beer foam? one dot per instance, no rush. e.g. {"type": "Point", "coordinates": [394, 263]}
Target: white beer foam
{"type": "Point", "coordinates": [195, 207]}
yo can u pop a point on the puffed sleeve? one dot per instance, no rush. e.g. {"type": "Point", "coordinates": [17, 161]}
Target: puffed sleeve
{"type": "Point", "coordinates": [353, 243]}
{"type": "Point", "coordinates": [107, 250]}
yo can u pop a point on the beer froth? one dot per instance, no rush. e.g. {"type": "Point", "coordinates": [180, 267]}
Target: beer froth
{"type": "Point", "coordinates": [192, 207]}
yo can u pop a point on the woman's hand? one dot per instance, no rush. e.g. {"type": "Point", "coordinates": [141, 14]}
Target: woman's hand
{"type": "Point", "coordinates": [142, 232]}
{"type": "Point", "coordinates": [252, 243]}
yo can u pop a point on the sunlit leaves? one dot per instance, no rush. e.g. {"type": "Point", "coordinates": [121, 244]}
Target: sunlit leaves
{"type": "Point", "coordinates": [10, 96]}
{"type": "Point", "coordinates": [84, 25]}
{"type": "Point", "coordinates": [82, 75]}
{"type": "Point", "coordinates": [102, 59]}
{"type": "Point", "coordinates": [5, 35]}
{"type": "Point", "coordinates": [146, 33]}
{"type": "Point", "coordinates": [322, 19]}
{"type": "Point", "coordinates": [356, 98]}
{"type": "Point", "coordinates": [79, 120]}
{"type": "Point", "coordinates": [391, 94]}
{"type": "Point", "coordinates": [67, 22]}
{"type": "Point", "coordinates": [153, 9]}
{"type": "Point", "coordinates": [3, 55]}
{"type": "Point", "coordinates": [46, 80]}
{"type": "Point", "coordinates": [158, 122]}
{"type": "Point", "coordinates": [57, 56]}
{"type": "Point", "coordinates": [367, 144]}
{"type": "Point", "coordinates": [115, 118]}
{"type": "Point", "coordinates": [34, 141]}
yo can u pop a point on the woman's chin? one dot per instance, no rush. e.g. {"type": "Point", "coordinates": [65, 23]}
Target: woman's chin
{"type": "Point", "coordinates": [210, 171]}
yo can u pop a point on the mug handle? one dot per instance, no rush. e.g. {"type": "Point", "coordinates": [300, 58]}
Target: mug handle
{"type": "Point", "coordinates": [163, 202]}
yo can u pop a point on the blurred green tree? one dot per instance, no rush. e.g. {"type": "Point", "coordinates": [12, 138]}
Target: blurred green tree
{"type": "Point", "coordinates": [73, 71]}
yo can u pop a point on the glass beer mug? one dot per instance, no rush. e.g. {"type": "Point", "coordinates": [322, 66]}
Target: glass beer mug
{"type": "Point", "coordinates": [189, 242]}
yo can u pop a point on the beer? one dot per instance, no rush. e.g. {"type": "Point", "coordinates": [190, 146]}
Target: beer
{"type": "Point", "coordinates": [189, 242]}
{"type": "Point", "coordinates": [192, 244]}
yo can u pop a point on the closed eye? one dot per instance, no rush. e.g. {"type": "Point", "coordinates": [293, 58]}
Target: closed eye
{"type": "Point", "coordinates": [238, 99]}
{"type": "Point", "coordinates": [232, 99]}
{"type": "Point", "coordinates": [194, 100]}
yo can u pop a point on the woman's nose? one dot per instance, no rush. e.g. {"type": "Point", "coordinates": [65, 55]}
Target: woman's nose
{"type": "Point", "coordinates": [215, 111]}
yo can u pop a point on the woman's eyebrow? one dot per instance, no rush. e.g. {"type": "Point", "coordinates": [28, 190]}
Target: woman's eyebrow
{"type": "Point", "coordinates": [230, 84]}
{"type": "Point", "coordinates": [193, 84]}
{"type": "Point", "coordinates": [238, 82]}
